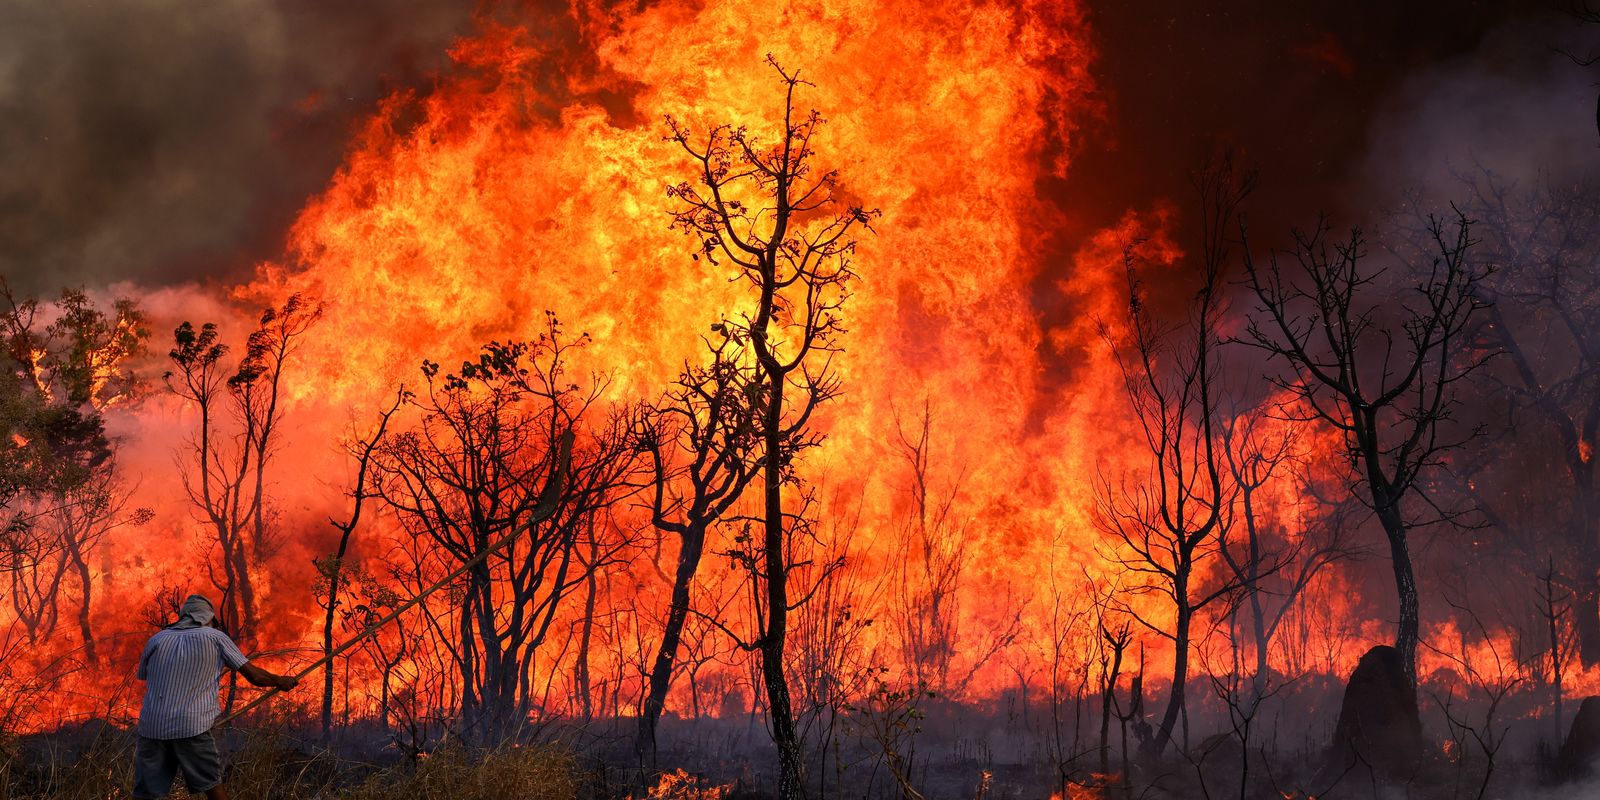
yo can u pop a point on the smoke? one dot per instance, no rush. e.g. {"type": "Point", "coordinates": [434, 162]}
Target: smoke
{"type": "Point", "coordinates": [165, 141]}
{"type": "Point", "coordinates": [1518, 106]}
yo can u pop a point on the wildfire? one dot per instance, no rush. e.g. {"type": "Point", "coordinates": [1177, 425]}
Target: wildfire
{"type": "Point", "coordinates": [681, 785]}
{"type": "Point", "coordinates": [529, 180]}
{"type": "Point", "coordinates": [1075, 792]}
{"type": "Point", "coordinates": [463, 215]}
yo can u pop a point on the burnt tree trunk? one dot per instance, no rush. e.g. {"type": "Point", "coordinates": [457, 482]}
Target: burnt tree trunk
{"type": "Point", "coordinates": [1258, 617]}
{"type": "Point", "coordinates": [1180, 674]}
{"type": "Point", "coordinates": [81, 566]}
{"type": "Point", "coordinates": [1408, 629]}
{"type": "Point", "coordinates": [1106, 698]}
{"type": "Point", "coordinates": [693, 546]}
{"type": "Point", "coordinates": [585, 688]}
{"type": "Point", "coordinates": [779, 712]}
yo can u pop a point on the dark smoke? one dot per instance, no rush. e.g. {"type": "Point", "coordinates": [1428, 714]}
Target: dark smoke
{"type": "Point", "coordinates": [1517, 106]}
{"type": "Point", "coordinates": [164, 141]}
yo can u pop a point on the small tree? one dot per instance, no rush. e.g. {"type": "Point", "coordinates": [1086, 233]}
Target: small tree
{"type": "Point", "coordinates": [1554, 604]}
{"type": "Point", "coordinates": [708, 419]}
{"type": "Point", "coordinates": [224, 466]}
{"type": "Point", "coordinates": [1170, 523]}
{"type": "Point", "coordinates": [930, 565]}
{"type": "Point", "coordinates": [1384, 375]}
{"type": "Point", "coordinates": [331, 569]}
{"type": "Point", "coordinates": [1272, 563]}
{"type": "Point", "coordinates": [470, 474]}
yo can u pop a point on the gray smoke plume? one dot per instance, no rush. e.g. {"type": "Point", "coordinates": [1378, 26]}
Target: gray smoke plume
{"type": "Point", "coordinates": [162, 141]}
{"type": "Point", "coordinates": [1517, 106]}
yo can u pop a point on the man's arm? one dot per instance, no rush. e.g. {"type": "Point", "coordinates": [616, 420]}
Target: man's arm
{"type": "Point", "coordinates": [231, 657]}
{"type": "Point", "coordinates": [263, 678]}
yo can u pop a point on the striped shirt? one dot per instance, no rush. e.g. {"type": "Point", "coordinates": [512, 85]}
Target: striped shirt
{"type": "Point", "coordinates": [182, 671]}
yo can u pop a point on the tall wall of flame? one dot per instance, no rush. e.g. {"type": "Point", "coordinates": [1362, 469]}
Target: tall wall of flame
{"type": "Point", "coordinates": [532, 177]}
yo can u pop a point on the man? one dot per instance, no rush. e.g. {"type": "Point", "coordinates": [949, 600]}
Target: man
{"type": "Point", "coordinates": [182, 670]}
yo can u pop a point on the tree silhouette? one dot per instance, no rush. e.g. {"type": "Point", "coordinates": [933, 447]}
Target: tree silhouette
{"type": "Point", "coordinates": [1384, 375]}
{"type": "Point", "coordinates": [1174, 519]}
{"type": "Point", "coordinates": [708, 419]}
{"type": "Point", "coordinates": [764, 210]}
{"type": "Point", "coordinates": [470, 473]}
{"type": "Point", "coordinates": [332, 568]}
{"type": "Point", "coordinates": [225, 465]}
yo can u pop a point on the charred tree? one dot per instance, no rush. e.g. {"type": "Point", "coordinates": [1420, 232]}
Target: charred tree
{"type": "Point", "coordinates": [1553, 609]}
{"type": "Point", "coordinates": [469, 473]}
{"type": "Point", "coordinates": [765, 209]}
{"type": "Point", "coordinates": [1253, 456]}
{"type": "Point", "coordinates": [933, 543]}
{"type": "Point", "coordinates": [710, 420]}
{"type": "Point", "coordinates": [1384, 375]}
{"type": "Point", "coordinates": [1169, 524]}
{"type": "Point", "coordinates": [1273, 567]}
{"type": "Point", "coordinates": [332, 569]}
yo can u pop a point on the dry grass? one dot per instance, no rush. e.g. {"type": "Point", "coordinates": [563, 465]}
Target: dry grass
{"type": "Point", "coordinates": [98, 765]}
{"type": "Point", "coordinates": [269, 766]}
{"type": "Point", "coordinates": [508, 772]}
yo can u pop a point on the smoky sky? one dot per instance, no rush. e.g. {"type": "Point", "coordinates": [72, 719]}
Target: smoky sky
{"type": "Point", "coordinates": [1291, 88]}
{"type": "Point", "coordinates": [167, 141]}
{"type": "Point", "coordinates": [164, 141]}
{"type": "Point", "coordinates": [1338, 108]}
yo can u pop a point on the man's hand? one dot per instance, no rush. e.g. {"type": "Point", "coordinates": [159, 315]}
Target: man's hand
{"type": "Point", "coordinates": [267, 680]}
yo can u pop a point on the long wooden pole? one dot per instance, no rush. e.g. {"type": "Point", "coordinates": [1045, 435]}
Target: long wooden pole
{"type": "Point", "coordinates": [545, 509]}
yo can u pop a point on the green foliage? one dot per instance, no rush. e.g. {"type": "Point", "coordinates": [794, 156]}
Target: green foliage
{"type": "Point", "coordinates": [60, 366]}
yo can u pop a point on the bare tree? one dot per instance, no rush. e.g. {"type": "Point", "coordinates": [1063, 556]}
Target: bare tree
{"type": "Point", "coordinates": [1274, 565]}
{"type": "Point", "coordinates": [934, 548]}
{"type": "Point", "coordinates": [224, 469]}
{"type": "Point", "coordinates": [830, 660]}
{"type": "Point", "coordinates": [1493, 679]}
{"type": "Point", "coordinates": [1115, 636]}
{"type": "Point", "coordinates": [1553, 608]}
{"type": "Point", "coordinates": [1174, 519]}
{"type": "Point", "coordinates": [468, 474]}
{"type": "Point", "coordinates": [1254, 456]}
{"type": "Point", "coordinates": [710, 420]}
{"type": "Point", "coordinates": [933, 561]}
{"type": "Point", "coordinates": [331, 569]}
{"type": "Point", "coordinates": [793, 248]}
{"type": "Point", "coordinates": [1384, 375]}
